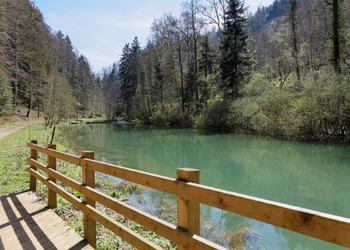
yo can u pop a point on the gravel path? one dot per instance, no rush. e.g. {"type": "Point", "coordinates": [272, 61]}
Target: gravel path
{"type": "Point", "coordinates": [7, 130]}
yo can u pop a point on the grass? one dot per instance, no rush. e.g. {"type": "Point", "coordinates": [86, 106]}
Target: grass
{"type": "Point", "coordinates": [13, 152]}
{"type": "Point", "coordinates": [14, 178]}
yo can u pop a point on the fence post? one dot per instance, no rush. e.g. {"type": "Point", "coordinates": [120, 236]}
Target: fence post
{"type": "Point", "coordinates": [34, 156]}
{"type": "Point", "coordinates": [51, 163]}
{"type": "Point", "coordinates": [188, 211]}
{"type": "Point", "coordinates": [88, 177]}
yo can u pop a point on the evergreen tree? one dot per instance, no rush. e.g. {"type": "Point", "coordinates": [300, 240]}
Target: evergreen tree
{"type": "Point", "coordinates": [235, 57]}
{"type": "Point", "coordinates": [128, 73]}
{"type": "Point", "coordinates": [206, 62]}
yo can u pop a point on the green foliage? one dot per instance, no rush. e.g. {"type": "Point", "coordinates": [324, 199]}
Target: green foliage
{"type": "Point", "coordinates": [59, 101]}
{"type": "Point", "coordinates": [320, 111]}
{"type": "Point", "coordinates": [215, 117]}
{"type": "Point", "coordinates": [171, 116]}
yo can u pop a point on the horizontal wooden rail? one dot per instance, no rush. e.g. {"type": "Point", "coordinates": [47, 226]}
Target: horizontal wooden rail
{"type": "Point", "coordinates": [163, 228]}
{"type": "Point", "coordinates": [334, 229]}
{"type": "Point", "coordinates": [124, 232]}
{"type": "Point", "coordinates": [57, 154]}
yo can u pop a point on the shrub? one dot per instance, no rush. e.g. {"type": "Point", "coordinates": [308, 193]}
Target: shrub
{"type": "Point", "coordinates": [215, 117]}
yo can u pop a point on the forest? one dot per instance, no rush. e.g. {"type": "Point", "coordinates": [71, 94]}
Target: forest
{"type": "Point", "coordinates": [283, 71]}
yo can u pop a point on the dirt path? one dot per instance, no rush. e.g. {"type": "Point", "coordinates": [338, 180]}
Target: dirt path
{"type": "Point", "coordinates": [6, 130]}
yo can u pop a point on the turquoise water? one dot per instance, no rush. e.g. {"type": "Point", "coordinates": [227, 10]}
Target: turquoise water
{"type": "Point", "coordinates": [307, 175]}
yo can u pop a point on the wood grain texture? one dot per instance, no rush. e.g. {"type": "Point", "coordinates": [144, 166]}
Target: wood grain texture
{"type": "Point", "coordinates": [57, 154]}
{"type": "Point", "coordinates": [26, 223]}
{"type": "Point", "coordinates": [88, 179]}
{"type": "Point", "coordinates": [51, 163]}
{"type": "Point", "coordinates": [187, 210]}
{"type": "Point", "coordinates": [33, 155]}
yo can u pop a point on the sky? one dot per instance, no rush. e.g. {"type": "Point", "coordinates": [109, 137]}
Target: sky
{"type": "Point", "coordinates": [99, 29]}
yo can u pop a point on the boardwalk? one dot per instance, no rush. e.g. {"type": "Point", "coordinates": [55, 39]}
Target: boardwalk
{"type": "Point", "coordinates": [26, 224]}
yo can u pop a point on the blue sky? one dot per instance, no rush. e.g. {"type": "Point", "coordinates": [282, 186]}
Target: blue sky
{"type": "Point", "coordinates": [99, 29]}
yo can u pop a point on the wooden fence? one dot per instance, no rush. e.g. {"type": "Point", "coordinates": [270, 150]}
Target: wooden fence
{"type": "Point", "coordinates": [189, 194]}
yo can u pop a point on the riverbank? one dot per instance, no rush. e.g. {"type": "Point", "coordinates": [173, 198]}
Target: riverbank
{"type": "Point", "coordinates": [14, 179]}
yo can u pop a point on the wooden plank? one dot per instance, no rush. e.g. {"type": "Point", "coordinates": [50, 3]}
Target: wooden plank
{"type": "Point", "coordinates": [125, 233]}
{"type": "Point", "coordinates": [334, 229]}
{"type": "Point", "coordinates": [88, 179]}
{"type": "Point", "coordinates": [57, 154]}
{"type": "Point", "coordinates": [188, 211]}
{"type": "Point", "coordinates": [154, 181]}
{"type": "Point", "coordinates": [33, 155]}
{"type": "Point", "coordinates": [51, 163]}
{"type": "Point", "coordinates": [37, 229]}
{"type": "Point", "coordinates": [163, 228]}
{"type": "Point", "coordinates": [38, 233]}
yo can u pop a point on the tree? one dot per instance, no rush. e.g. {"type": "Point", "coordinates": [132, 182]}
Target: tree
{"type": "Point", "coordinates": [337, 35]}
{"type": "Point", "coordinates": [214, 11]}
{"type": "Point", "coordinates": [58, 102]}
{"type": "Point", "coordinates": [5, 93]}
{"type": "Point", "coordinates": [5, 89]}
{"type": "Point", "coordinates": [206, 61]}
{"type": "Point", "coordinates": [84, 86]}
{"type": "Point", "coordinates": [293, 26]}
{"type": "Point", "coordinates": [235, 57]}
{"type": "Point", "coordinates": [128, 73]}
{"type": "Point", "coordinates": [280, 54]}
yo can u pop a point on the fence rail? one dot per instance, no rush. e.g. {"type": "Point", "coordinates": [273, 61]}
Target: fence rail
{"type": "Point", "coordinates": [190, 193]}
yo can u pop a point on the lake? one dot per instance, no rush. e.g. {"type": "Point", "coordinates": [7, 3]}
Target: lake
{"type": "Point", "coordinates": [311, 176]}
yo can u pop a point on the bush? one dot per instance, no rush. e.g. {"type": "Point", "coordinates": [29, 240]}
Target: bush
{"type": "Point", "coordinates": [215, 117]}
{"type": "Point", "coordinates": [320, 111]}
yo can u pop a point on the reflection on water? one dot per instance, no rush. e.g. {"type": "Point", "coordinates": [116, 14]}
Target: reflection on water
{"type": "Point", "coordinates": [306, 175]}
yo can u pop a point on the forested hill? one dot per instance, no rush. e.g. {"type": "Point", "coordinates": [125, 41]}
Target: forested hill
{"type": "Point", "coordinates": [39, 68]}
{"type": "Point", "coordinates": [283, 71]}
{"type": "Point", "coordinates": [264, 15]}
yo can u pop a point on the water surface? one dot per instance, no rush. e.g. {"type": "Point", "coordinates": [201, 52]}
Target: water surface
{"type": "Point", "coordinates": [307, 175]}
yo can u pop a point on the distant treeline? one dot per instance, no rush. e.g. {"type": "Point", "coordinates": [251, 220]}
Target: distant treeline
{"type": "Point", "coordinates": [283, 71]}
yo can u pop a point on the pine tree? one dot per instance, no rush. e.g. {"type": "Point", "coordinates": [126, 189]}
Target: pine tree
{"type": "Point", "coordinates": [128, 73]}
{"type": "Point", "coordinates": [206, 62]}
{"type": "Point", "coordinates": [235, 57]}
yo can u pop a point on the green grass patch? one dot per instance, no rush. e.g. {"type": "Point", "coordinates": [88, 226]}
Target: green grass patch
{"type": "Point", "coordinates": [14, 178]}
{"type": "Point", "coordinates": [13, 152]}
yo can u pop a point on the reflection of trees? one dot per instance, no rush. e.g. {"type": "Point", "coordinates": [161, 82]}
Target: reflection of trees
{"type": "Point", "coordinates": [227, 229]}
{"type": "Point", "coordinates": [290, 240]}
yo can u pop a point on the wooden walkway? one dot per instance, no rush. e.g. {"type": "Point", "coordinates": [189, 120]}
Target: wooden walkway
{"type": "Point", "coordinates": [26, 224]}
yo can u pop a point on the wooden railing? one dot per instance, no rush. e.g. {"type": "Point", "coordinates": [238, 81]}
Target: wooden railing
{"type": "Point", "coordinates": [190, 193]}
